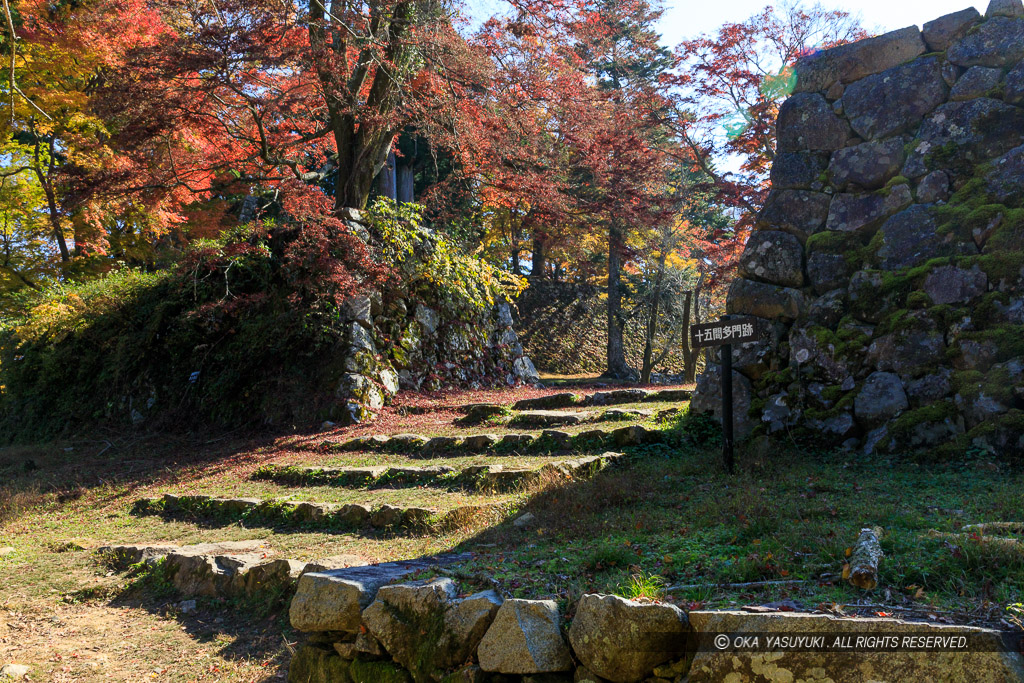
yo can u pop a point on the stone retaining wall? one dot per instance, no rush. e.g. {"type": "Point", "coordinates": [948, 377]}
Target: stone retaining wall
{"type": "Point", "coordinates": [888, 262]}
{"type": "Point", "coordinates": [362, 628]}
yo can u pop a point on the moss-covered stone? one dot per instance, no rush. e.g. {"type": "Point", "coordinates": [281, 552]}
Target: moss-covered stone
{"type": "Point", "coordinates": [378, 672]}
{"type": "Point", "coordinates": [314, 664]}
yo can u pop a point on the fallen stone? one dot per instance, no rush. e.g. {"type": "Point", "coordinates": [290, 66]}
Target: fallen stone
{"type": "Point", "coordinates": [14, 672]}
{"type": "Point", "coordinates": [944, 31]}
{"type": "Point", "coordinates": [623, 640]}
{"type": "Point", "coordinates": [334, 600]}
{"type": "Point", "coordinates": [985, 663]}
{"type": "Point", "coordinates": [525, 638]}
{"type": "Point", "coordinates": [547, 418]}
{"type": "Point", "coordinates": [524, 521]}
{"type": "Point", "coordinates": [564, 400]}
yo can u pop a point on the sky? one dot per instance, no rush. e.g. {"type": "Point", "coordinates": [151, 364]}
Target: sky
{"type": "Point", "coordinates": [686, 19]}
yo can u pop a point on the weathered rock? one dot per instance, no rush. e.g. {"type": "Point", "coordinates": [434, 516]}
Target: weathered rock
{"type": "Point", "coordinates": [504, 314]}
{"type": "Point", "coordinates": [774, 257]}
{"type": "Point", "coordinates": [934, 187]}
{"type": "Point", "coordinates": [425, 629]}
{"type": "Point", "coordinates": [547, 418]}
{"type": "Point", "coordinates": [869, 165]}
{"type": "Point", "coordinates": [865, 212]}
{"type": "Point", "coordinates": [777, 414]}
{"type": "Point", "coordinates": [1006, 178]}
{"type": "Point", "coordinates": [828, 309]}
{"type": "Point", "coordinates": [930, 388]}
{"type": "Point", "coordinates": [806, 350]}
{"type": "Point", "coordinates": [997, 42]}
{"type": "Point", "coordinates": [807, 123]}
{"type": "Point", "coordinates": [985, 663]}
{"type": "Point", "coordinates": [708, 398]}
{"type": "Point", "coordinates": [363, 671]}
{"type": "Point", "coordinates": [407, 442]}
{"type": "Point", "coordinates": [965, 133]}
{"type": "Point", "coordinates": [838, 427]}
{"type": "Point", "coordinates": [976, 82]}
{"type": "Point", "coordinates": [14, 672]}
{"type": "Point", "coordinates": [441, 444]}
{"type": "Point", "coordinates": [525, 638]}
{"type": "Point", "coordinates": [525, 370]}
{"type": "Point", "coordinates": [857, 60]}
{"type": "Point", "coordinates": [941, 33]}
{"type": "Point", "coordinates": [909, 239]}
{"type": "Point", "coordinates": [976, 355]}
{"type": "Point", "coordinates": [905, 351]}
{"type": "Point", "coordinates": [827, 272]}
{"type": "Point", "coordinates": [1004, 8]}
{"type": "Point", "coordinates": [564, 400]}
{"type": "Point", "coordinates": [623, 640]}
{"type": "Point", "coordinates": [1013, 89]}
{"type": "Point", "coordinates": [633, 435]}
{"type": "Point", "coordinates": [313, 664]}
{"type": "Point", "coordinates": [797, 212]}
{"type": "Point", "coordinates": [798, 171]}
{"type": "Point", "coordinates": [428, 318]}
{"type": "Point", "coordinates": [747, 297]}
{"type": "Point", "coordinates": [334, 600]}
{"type": "Point", "coordinates": [881, 398]}
{"type": "Point", "coordinates": [951, 284]}
{"type": "Point", "coordinates": [559, 438]}
{"type": "Point", "coordinates": [359, 339]}
{"type": "Point", "coordinates": [878, 106]}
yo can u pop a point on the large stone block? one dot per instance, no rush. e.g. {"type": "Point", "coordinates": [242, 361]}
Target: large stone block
{"type": "Point", "coordinates": [622, 640]}
{"type": "Point", "coordinates": [747, 297]}
{"type": "Point", "coordinates": [525, 638]}
{"type": "Point", "coordinates": [952, 285]}
{"type": "Point", "coordinates": [1005, 179]}
{"type": "Point", "coordinates": [879, 106]}
{"type": "Point", "coordinates": [425, 628]}
{"type": "Point", "coordinates": [962, 134]}
{"type": "Point", "coordinates": [774, 257]}
{"type": "Point", "coordinates": [865, 212]}
{"type": "Point", "coordinates": [978, 81]}
{"type": "Point", "coordinates": [909, 239]}
{"type": "Point", "coordinates": [707, 398]}
{"type": "Point", "coordinates": [880, 399]}
{"type": "Point", "coordinates": [798, 171]}
{"type": "Point", "coordinates": [941, 33]}
{"type": "Point", "coordinates": [997, 42]}
{"type": "Point", "coordinates": [1013, 89]}
{"type": "Point", "coordinates": [798, 212]}
{"type": "Point", "coordinates": [869, 165]}
{"type": "Point", "coordinates": [806, 122]}
{"type": "Point", "coordinates": [853, 62]}
{"type": "Point", "coordinates": [828, 272]}
{"type": "Point", "coordinates": [986, 662]}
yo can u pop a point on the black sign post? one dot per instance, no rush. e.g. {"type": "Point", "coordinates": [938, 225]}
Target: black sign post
{"type": "Point", "coordinates": [725, 333]}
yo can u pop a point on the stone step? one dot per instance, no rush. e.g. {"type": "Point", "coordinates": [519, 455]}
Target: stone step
{"type": "Point", "coordinates": [310, 514]}
{"type": "Point", "coordinates": [448, 446]}
{"type": "Point", "coordinates": [480, 477]}
{"type": "Point", "coordinates": [222, 570]}
{"type": "Point", "coordinates": [548, 418]}
{"type": "Point", "coordinates": [601, 398]}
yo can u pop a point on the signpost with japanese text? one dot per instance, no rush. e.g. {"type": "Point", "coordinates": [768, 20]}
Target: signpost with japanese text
{"type": "Point", "coordinates": [725, 333]}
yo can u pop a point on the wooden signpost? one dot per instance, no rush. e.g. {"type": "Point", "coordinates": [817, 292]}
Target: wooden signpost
{"type": "Point", "coordinates": [725, 333]}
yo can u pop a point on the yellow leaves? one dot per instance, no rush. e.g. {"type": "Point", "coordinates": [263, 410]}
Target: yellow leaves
{"type": "Point", "coordinates": [846, 571]}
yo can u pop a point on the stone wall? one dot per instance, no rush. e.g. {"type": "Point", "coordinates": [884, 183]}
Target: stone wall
{"type": "Point", "coordinates": [403, 339]}
{"type": "Point", "coordinates": [887, 263]}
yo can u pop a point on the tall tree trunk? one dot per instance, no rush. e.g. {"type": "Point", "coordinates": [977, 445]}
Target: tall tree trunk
{"type": "Point", "coordinates": [389, 179]}
{"type": "Point", "coordinates": [540, 257]}
{"type": "Point", "coordinates": [652, 324]}
{"type": "Point", "coordinates": [689, 354]}
{"type": "Point", "coordinates": [405, 183]}
{"type": "Point", "coordinates": [617, 367]}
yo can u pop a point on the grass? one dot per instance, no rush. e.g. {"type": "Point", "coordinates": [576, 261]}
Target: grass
{"type": "Point", "coordinates": [669, 525]}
